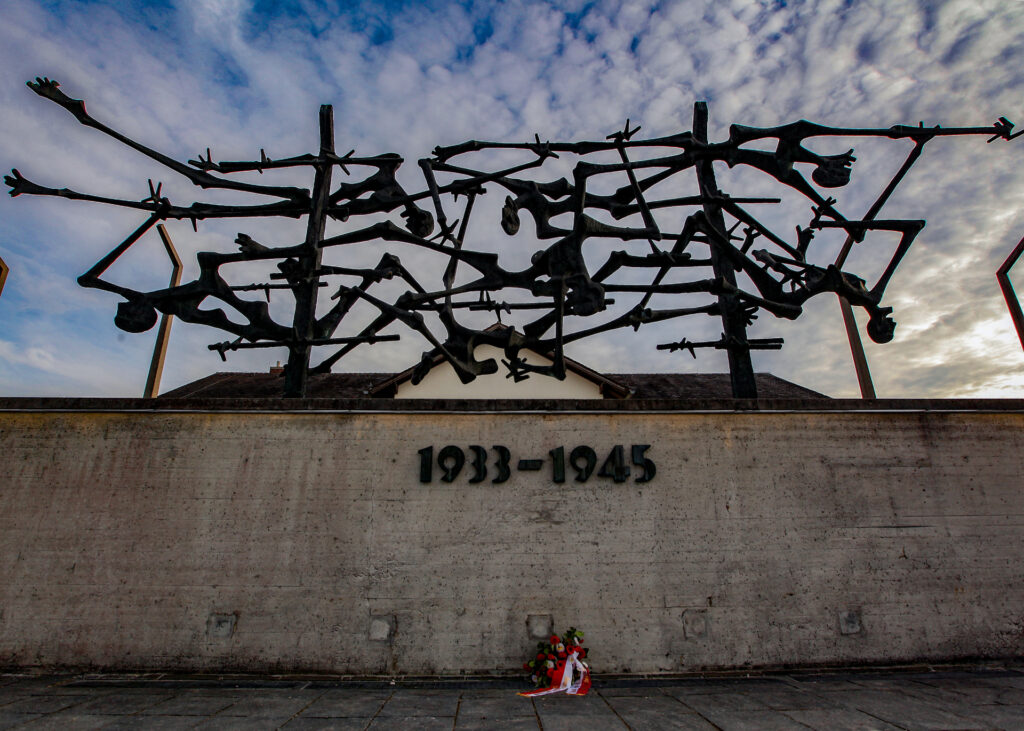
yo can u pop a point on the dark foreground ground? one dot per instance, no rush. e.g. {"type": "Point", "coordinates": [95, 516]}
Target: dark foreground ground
{"type": "Point", "coordinates": [962, 698]}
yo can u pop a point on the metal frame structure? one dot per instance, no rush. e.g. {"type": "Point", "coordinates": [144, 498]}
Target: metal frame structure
{"type": "Point", "coordinates": [567, 215]}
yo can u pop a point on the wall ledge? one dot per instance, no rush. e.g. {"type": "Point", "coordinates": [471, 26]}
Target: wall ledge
{"type": "Point", "coordinates": [79, 404]}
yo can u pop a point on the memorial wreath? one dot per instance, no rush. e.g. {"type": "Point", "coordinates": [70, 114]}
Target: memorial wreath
{"type": "Point", "coordinates": [559, 666]}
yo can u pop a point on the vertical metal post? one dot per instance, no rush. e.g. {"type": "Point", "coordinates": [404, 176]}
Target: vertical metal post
{"type": "Point", "coordinates": [4, 269]}
{"type": "Point", "coordinates": [1003, 275]}
{"type": "Point", "coordinates": [156, 365]}
{"type": "Point", "coordinates": [741, 370]}
{"type": "Point", "coordinates": [295, 373]}
{"type": "Point", "coordinates": [860, 360]}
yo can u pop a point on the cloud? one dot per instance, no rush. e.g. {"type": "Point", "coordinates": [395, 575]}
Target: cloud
{"type": "Point", "coordinates": [239, 76]}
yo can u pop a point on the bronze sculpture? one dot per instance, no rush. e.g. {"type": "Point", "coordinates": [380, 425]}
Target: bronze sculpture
{"type": "Point", "coordinates": [558, 281]}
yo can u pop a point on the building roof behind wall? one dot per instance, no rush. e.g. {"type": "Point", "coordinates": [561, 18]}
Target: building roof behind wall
{"type": "Point", "coordinates": [380, 385]}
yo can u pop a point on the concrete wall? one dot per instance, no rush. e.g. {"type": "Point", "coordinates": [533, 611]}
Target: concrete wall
{"type": "Point", "coordinates": [305, 541]}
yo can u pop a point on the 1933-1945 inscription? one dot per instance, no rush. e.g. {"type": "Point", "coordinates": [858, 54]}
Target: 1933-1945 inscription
{"type": "Point", "coordinates": [581, 459]}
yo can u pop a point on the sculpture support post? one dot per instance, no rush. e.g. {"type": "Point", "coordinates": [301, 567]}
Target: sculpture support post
{"type": "Point", "coordinates": [1003, 275]}
{"type": "Point", "coordinates": [156, 366]}
{"type": "Point", "coordinates": [296, 372]}
{"type": "Point", "coordinates": [741, 370]}
{"type": "Point", "coordinates": [860, 360]}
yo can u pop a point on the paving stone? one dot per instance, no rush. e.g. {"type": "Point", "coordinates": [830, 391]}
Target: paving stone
{"type": "Point", "coordinates": [406, 723]}
{"type": "Point", "coordinates": [342, 703]}
{"type": "Point", "coordinates": [121, 703]}
{"type": "Point", "coordinates": [1008, 718]}
{"type": "Point", "coordinates": [932, 694]}
{"type": "Point", "coordinates": [242, 723]}
{"type": "Point", "coordinates": [1014, 681]}
{"type": "Point", "coordinates": [421, 703]}
{"type": "Point", "coordinates": [71, 721]}
{"type": "Point", "coordinates": [270, 704]}
{"type": "Point", "coordinates": [916, 686]}
{"type": "Point", "coordinates": [572, 712]}
{"type": "Point", "coordinates": [756, 721]}
{"type": "Point", "coordinates": [492, 692]}
{"type": "Point", "coordinates": [886, 682]}
{"type": "Point", "coordinates": [11, 720]}
{"type": "Point", "coordinates": [507, 724]}
{"type": "Point", "coordinates": [697, 687]}
{"type": "Point", "coordinates": [157, 723]}
{"type": "Point", "coordinates": [720, 702]}
{"type": "Point", "coordinates": [716, 687]}
{"type": "Point", "coordinates": [572, 704]}
{"type": "Point", "coordinates": [652, 691]}
{"type": "Point", "coordinates": [382, 693]}
{"type": "Point", "coordinates": [10, 695]}
{"type": "Point", "coordinates": [193, 703]}
{"type": "Point", "coordinates": [969, 712]}
{"type": "Point", "coordinates": [324, 724]}
{"type": "Point", "coordinates": [479, 708]}
{"type": "Point", "coordinates": [44, 703]}
{"type": "Point", "coordinates": [905, 710]}
{"type": "Point", "coordinates": [834, 702]}
{"type": "Point", "coordinates": [785, 699]}
{"type": "Point", "coordinates": [840, 719]}
{"type": "Point", "coordinates": [658, 713]}
{"type": "Point", "coordinates": [978, 694]}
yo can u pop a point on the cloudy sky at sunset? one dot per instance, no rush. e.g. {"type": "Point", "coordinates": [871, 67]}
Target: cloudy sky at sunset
{"type": "Point", "coordinates": [240, 75]}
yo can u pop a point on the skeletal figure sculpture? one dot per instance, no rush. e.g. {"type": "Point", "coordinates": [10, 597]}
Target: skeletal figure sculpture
{"type": "Point", "coordinates": [557, 283]}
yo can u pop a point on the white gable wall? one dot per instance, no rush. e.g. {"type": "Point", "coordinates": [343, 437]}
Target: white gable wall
{"type": "Point", "coordinates": [442, 383]}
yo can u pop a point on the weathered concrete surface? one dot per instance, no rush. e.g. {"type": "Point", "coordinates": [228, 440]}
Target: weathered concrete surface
{"type": "Point", "coordinates": [305, 541]}
{"type": "Point", "coordinates": [975, 698]}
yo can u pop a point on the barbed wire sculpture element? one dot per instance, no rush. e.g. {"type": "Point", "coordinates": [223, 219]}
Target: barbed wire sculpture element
{"type": "Point", "coordinates": [557, 284]}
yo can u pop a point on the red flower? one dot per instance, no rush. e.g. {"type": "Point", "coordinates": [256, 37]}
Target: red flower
{"type": "Point", "coordinates": [551, 656]}
{"type": "Point", "coordinates": [583, 652]}
{"type": "Point", "coordinates": [540, 655]}
{"type": "Point", "coordinates": [553, 639]}
{"type": "Point", "coordinates": [550, 672]}
{"type": "Point", "coordinates": [562, 653]}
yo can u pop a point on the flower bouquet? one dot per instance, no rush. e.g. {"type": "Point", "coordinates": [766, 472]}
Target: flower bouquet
{"type": "Point", "coordinates": [558, 666]}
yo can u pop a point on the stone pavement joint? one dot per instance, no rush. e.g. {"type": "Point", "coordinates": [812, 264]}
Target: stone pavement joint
{"type": "Point", "coordinates": [969, 698]}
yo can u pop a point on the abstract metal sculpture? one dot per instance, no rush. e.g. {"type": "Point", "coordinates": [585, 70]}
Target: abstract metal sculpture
{"type": "Point", "coordinates": [558, 281]}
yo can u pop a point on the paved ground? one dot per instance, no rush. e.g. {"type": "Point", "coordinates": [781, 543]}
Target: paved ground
{"type": "Point", "coordinates": [951, 699]}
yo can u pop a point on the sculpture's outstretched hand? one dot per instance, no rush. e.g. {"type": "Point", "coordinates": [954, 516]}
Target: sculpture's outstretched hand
{"type": "Point", "coordinates": [50, 89]}
{"type": "Point", "coordinates": [834, 170]}
{"type": "Point", "coordinates": [1004, 129]}
{"type": "Point", "coordinates": [19, 185]}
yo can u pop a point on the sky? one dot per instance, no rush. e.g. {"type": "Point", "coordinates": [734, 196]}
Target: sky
{"type": "Point", "coordinates": [236, 76]}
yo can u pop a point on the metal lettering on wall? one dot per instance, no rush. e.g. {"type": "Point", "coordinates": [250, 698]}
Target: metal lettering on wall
{"type": "Point", "coordinates": [582, 460]}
